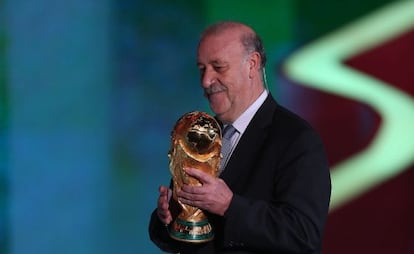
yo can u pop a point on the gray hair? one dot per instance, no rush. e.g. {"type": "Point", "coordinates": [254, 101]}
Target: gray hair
{"type": "Point", "coordinates": [249, 39]}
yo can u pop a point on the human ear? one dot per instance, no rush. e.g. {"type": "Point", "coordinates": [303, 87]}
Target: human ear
{"type": "Point", "coordinates": [254, 64]}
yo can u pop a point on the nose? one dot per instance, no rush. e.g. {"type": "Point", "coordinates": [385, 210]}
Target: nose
{"type": "Point", "coordinates": [208, 77]}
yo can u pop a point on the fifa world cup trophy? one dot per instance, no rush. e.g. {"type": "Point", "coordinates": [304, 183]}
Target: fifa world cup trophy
{"type": "Point", "coordinates": [195, 143]}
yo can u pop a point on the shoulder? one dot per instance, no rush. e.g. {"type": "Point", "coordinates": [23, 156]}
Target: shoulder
{"type": "Point", "coordinates": [285, 118]}
{"type": "Point", "coordinates": [289, 127]}
{"type": "Point", "coordinates": [281, 123]}
{"type": "Point", "coordinates": [282, 117]}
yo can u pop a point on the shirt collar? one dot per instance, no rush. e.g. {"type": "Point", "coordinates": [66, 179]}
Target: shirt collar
{"type": "Point", "coordinates": [244, 119]}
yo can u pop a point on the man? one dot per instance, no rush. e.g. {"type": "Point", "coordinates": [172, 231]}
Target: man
{"type": "Point", "coordinates": [273, 194]}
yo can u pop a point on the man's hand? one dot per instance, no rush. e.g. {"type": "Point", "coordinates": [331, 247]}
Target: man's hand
{"type": "Point", "coordinates": [163, 210]}
{"type": "Point", "coordinates": [213, 195]}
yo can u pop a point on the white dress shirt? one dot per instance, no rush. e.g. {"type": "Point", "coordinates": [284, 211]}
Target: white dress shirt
{"type": "Point", "coordinates": [243, 121]}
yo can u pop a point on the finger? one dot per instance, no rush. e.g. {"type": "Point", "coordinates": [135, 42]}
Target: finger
{"type": "Point", "coordinates": [189, 201]}
{"type": "Point", "coordinates": [163, 190]}
{"type": "Point", "coordinates": [190, 189]}
{"type": "Point", "coordinates": [201, 176]}
{"type": "Point", "coordinates": [165, 216]}
{"type": "Point", "coordinates": [163, 211]}
{"type": "Point", "coordinates": [190, 196]}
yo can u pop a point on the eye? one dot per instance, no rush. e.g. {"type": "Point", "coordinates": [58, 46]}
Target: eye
{"type": "Point", "coordinates": [201, 69]}
{"type": "Point", "coordinates": [220, 68]}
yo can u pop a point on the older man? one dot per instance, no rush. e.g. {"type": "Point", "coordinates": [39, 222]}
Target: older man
{"type": "Point", "coordinates": [273, 193]}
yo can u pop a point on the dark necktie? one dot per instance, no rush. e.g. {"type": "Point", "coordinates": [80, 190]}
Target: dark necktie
{"type": "Point", "coordinates": [226, 144]}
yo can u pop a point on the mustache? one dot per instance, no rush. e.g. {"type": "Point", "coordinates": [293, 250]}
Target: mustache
{"type": "Point", "coordinates": [214, 88]}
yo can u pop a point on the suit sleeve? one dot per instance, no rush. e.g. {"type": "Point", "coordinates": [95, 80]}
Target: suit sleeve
{"type": "Point", "coordinates": [293, 219]}
{"type": "Point", "coordinates": [159, 235]}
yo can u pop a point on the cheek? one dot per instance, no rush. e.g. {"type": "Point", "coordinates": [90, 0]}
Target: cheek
{"type": "Point", "coordinates": [219, 101]}
{"type": "Point", "coordinates": [236, 88]}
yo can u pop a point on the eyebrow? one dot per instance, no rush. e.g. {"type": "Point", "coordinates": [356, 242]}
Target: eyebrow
{"type": "Point", "coordinates": [214, 62]}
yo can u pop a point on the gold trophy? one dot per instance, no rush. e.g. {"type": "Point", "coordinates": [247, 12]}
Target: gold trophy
{"type": "Point", "coordinates": [195, 143]}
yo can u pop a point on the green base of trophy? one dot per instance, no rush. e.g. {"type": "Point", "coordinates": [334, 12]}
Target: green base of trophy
{"type": "Point", "coordinates": [191, 231]}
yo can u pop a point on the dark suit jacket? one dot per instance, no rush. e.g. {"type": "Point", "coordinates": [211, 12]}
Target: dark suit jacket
{"type": "Point", "coordinates": [280, 179]}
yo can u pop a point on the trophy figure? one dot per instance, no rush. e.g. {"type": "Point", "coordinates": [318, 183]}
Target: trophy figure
{"type": "Point", "coordinates": [195, 143]}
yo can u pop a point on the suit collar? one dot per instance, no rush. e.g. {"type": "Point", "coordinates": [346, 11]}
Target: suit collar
{"type": "Point", "coordinates": [250, 143]}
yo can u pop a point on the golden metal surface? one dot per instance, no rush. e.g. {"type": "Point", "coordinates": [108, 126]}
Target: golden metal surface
{"type": "Point", "coordinates": [195, 143]}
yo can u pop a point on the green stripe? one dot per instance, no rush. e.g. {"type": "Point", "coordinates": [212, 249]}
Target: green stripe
{"type": "Point", "coordinates": [319, 65]}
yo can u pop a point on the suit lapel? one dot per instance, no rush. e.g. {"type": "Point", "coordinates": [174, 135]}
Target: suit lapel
{"type": "Point", "coordinates": [245, 155]}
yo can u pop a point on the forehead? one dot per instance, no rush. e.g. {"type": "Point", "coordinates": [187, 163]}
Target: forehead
{"type": "Point", "coordinates": [220, 46]}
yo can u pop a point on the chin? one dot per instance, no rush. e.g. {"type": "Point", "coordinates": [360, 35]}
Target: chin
{"type": "Point", "coordinates": [222, 117]}
{"type": "Point", "coordinates": [217, 111]}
